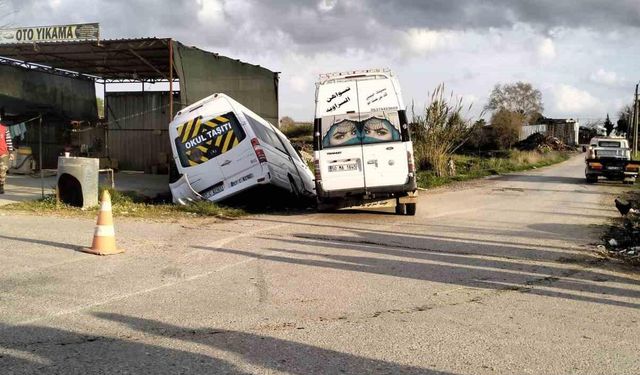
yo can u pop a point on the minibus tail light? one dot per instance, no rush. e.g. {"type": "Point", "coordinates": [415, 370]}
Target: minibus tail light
{"type": "Point", "coordinates": [316, 170]}
{"type": "Point", "coordinates": [262, 158]}
{"type": "Point", "coordinates": [410, 164]}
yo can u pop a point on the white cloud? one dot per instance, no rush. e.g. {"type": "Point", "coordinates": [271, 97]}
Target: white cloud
{"type": "Point", "coordinates": [571, 100]}
{"type": "Point", "coordinates": [210, 11]}
{"type": "Point", "coordinates": [299, 83]}
{"type": "Point", "coordinates": [605, 77]}
{"type": "Point", "coordinates": [546, 50]}
{"type": "Point", "coordinates": [423, 41]}
{"type": "Point", "coordinates": [327, 5]}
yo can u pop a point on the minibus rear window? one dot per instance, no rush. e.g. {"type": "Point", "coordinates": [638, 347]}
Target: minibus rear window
{"type": "Point", "coordinates": [340, 131]}
{"type": "Point", "coordinates": [200, 140]}
{"type": "Point", "coordinates": [615, 144]}
{"type": "Point", "coordinates": [378, 129]}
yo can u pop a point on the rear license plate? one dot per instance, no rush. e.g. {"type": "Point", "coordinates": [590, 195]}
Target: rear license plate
{"type": "Point", "coordinates": [614, 168]}
{"type": "Point", "coordinates": [213, 191]}
{"type": "Point", "coordinates": [343, 167]}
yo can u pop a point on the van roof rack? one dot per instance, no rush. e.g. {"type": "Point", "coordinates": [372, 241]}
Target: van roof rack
{"type": "Point", "coordinates": [364, 72]}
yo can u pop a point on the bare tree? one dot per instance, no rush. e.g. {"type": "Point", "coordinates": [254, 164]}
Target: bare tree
{"type": "Point", "coordinates": [519, 97]}
{"type": "Point", "coordinates": [624, 120]}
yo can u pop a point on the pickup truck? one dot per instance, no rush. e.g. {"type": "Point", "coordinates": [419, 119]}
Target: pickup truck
{"type": "Point", "coordinates": [610, 158]}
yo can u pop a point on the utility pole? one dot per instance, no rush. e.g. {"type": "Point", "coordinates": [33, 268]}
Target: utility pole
{"type": "Point", "coordinates": [635, 121]}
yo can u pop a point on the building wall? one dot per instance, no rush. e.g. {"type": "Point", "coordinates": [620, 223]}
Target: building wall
{"type": "Point", "coordinates": [29, 91]}
{"type": "Point", "coordinates": [203, 73]}
{"type": "Point", "coordinates": [138, 129]}
{"type": "Point", "coordinates": [528, 130]}
{"type": "Point", "coordinates": [54, 139]}
{"type": "Point", "coordinates": [566, 132]}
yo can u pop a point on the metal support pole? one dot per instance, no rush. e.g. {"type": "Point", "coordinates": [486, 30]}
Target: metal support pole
{"type": "Point", "coordinates": [106, 116]}
{"type": "Point", "coordinates": [635, 121]}
{"type": "Point", "coordinates": [40, 154]}
{"type": "Point", "coordinates": [144, 106]}
{"type": "Point", "coordinates": [170, 80]}
{"type": "Point", "coordinates": [632, 123]}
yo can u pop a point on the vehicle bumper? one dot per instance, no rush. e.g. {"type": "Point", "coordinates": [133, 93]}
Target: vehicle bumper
{"type": "Point", "coordinates": [379, 191]}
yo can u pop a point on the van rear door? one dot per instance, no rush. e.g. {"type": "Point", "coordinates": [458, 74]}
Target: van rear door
{"type": "Point", "coordinates": [236, 156]}
{"type": "Point", "coordinates": [384, 154]}
{"type": "Point", "coordinates": [200, 143]}
{"type": "Point", "coordinates": [201, 171]}
{"type": "Point", "coordinates": [340, 160]}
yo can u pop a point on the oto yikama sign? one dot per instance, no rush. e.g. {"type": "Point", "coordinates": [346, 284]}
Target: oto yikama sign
{"type": "Point", "coordinates": [59, 33]}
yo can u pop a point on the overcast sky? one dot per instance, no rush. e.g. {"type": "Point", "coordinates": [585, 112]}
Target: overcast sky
{"type": "Point", "coordinates": [582, 54]}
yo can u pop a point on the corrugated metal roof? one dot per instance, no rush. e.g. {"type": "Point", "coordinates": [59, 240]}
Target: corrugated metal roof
{"type": "Point", "coordinates": [139, 59]}
{"type": "Point", "coordinates": [145, 59]}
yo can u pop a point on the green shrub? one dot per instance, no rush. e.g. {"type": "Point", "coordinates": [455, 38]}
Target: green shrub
{"type": "Point", "coordinates": [298, 130]}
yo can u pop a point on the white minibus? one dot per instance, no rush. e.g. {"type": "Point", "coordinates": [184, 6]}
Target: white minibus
{"type": "Point", "coordinates": [362, 146]}
{"type": "Point", "coordinates": [221, 148]}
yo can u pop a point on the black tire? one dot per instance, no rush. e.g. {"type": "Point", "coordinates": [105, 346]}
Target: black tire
{"type": "Point", "coordinates": [174, 175]}
{"type": "Point", "coordinates": [401, 209]}
{"type": "Point", "coordinates": [592, 179]}
{"type": "Point", "coordinates": [411, 209]}
{"type": "Point", "coordinates": [325, 206]}
{"type": "Point", "coordinates": [294, 188]}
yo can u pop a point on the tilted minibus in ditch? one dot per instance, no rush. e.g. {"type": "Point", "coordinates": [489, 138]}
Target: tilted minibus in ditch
{"type": "Point", "coordinates": [362, 146]}
{"type": "Point", "coordinates": [222, 148]}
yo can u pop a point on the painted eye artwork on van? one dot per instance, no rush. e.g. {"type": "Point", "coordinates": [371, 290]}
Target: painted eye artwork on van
{"type": "Point", "coordinates": [372, 130]}
{"type": "Point", "coordinates": [379, 130]}
{"type": "Point", "coordinates": [342, 133]}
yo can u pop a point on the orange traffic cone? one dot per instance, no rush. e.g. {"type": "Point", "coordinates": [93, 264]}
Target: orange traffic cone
{"type": "Point", "coordinates": [104, 238]}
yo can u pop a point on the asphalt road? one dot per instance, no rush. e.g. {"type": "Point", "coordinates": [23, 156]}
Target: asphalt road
{"type": "Point", "coordinates": [495, 277]}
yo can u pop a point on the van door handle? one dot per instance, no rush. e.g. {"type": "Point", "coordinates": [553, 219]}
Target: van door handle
{"type": "Point", "coordinates": [390, 148]}
{"type": "Point", "coordinates": [372, 162]}
{"type": "Point", "coordinates": [226, 162]}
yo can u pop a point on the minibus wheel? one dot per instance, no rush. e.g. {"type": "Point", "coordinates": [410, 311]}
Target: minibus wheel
{"type": "Point", "coordinates": [411, 209]}
{"type": "Point", "coordinates": [401, 209]}
{"type": "Point", "coordinates": [294, 187]}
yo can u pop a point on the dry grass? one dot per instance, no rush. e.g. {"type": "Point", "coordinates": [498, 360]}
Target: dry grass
{"type": "Point", "coordinates": [439, 132]}
{"type": "Point", "coordinates": [472, 167]}
{"type": "Point", "coordinates": [128, 204]}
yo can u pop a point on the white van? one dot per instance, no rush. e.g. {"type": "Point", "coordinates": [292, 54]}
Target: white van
{"type": "Point", "coordinates": [362, 147]}
{"type": "Point", "coordinates": [222, 148]}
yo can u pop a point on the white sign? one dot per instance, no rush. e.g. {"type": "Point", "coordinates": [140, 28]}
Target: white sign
{"type": "Point", "coordinates": [58, 33]}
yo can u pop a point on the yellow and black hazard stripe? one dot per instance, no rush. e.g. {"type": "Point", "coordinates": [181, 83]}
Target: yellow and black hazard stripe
{"type": "Point", "coordinates": [226, 141]}
{"type": "Point", "coordinates": [190, 129]}
{"type": "Point", "coordinates": [212, 148]}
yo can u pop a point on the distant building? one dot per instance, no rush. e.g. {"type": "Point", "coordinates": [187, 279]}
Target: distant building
{"type": "Point", "coordinates": [566, 130]}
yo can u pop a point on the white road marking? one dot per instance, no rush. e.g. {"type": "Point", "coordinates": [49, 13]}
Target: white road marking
{"type": "Point", "coordinates": [217, 244]}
